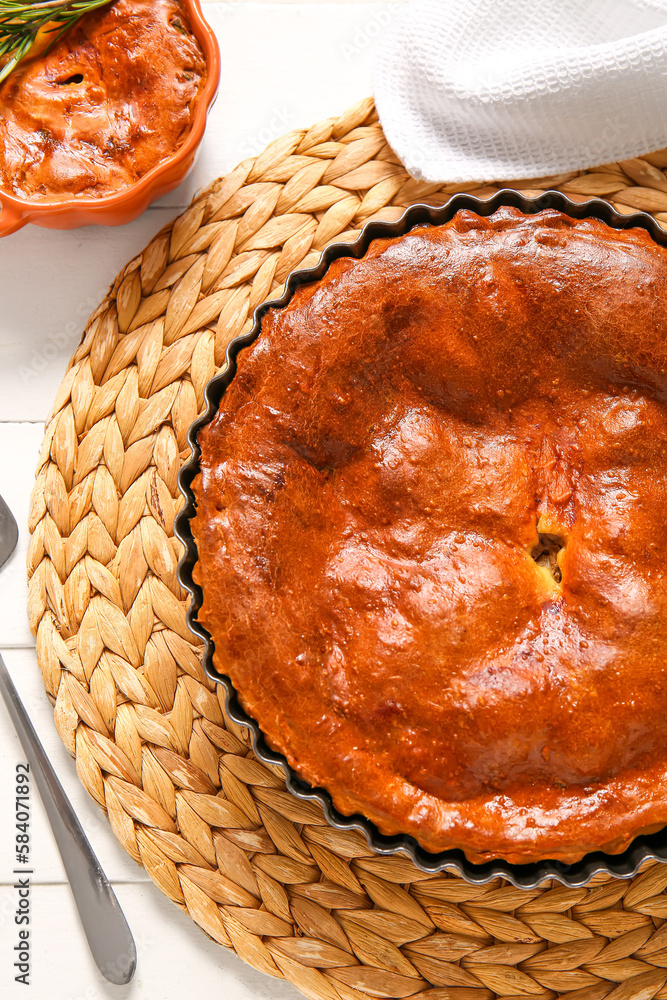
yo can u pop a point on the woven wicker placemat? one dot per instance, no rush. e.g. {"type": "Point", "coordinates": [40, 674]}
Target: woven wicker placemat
{"type": "Point", "coordinates": [258, 870]}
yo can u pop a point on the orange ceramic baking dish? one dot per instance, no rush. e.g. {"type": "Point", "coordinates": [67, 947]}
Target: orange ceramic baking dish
{"type": "Point", "coordinates": [125, 205]}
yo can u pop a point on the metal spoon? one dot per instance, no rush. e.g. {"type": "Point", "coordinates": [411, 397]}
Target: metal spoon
{"type": "Point", "coordinates": [9, 533]}
{"type": "Point", "coordinates": [104, 923]}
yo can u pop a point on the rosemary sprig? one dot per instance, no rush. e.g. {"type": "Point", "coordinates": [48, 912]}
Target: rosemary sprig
{"type": "Point", "coordinates": [21, 21]}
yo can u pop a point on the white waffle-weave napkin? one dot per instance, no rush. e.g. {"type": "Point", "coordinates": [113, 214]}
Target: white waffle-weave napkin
{"type": "Point", "coordinates": [472, 90]}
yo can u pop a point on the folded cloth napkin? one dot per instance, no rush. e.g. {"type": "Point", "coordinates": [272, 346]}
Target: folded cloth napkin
{"type": "Point", "coordinates": [471, 90]}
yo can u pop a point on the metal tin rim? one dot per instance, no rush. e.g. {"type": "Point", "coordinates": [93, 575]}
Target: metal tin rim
{"type": "Point", "coordinates": [528, 876]}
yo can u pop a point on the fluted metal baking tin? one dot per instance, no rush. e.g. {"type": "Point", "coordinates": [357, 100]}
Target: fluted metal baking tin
{"type": "Point", "coordinates": [527, 876]}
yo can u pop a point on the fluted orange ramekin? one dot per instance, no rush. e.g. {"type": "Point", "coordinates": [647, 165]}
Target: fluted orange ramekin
{"type": "Point", "coordinates": [126, 204]}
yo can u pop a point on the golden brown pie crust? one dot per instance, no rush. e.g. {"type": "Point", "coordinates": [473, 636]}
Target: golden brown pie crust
{"type": "Point", "coordinates": [431, 534]}
{"type": "Point", "coordinates": [112, 99]}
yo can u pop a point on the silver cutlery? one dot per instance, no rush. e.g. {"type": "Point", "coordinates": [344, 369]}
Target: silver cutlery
{"type": "Point", "coordinates": [9, 533]}
{"type": "Point", "coordinates": [104, 923]}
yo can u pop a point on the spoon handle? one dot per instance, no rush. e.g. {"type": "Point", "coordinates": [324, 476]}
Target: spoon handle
{"type": "Point", "coordinates": [104, 923]}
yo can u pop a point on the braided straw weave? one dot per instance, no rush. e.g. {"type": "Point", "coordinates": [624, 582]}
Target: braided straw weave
{"type": "Point", "coordinates": [258, 870]}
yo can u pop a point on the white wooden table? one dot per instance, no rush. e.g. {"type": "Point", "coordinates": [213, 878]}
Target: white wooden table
{"type": "Point", "coordinates": [285, 65]}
